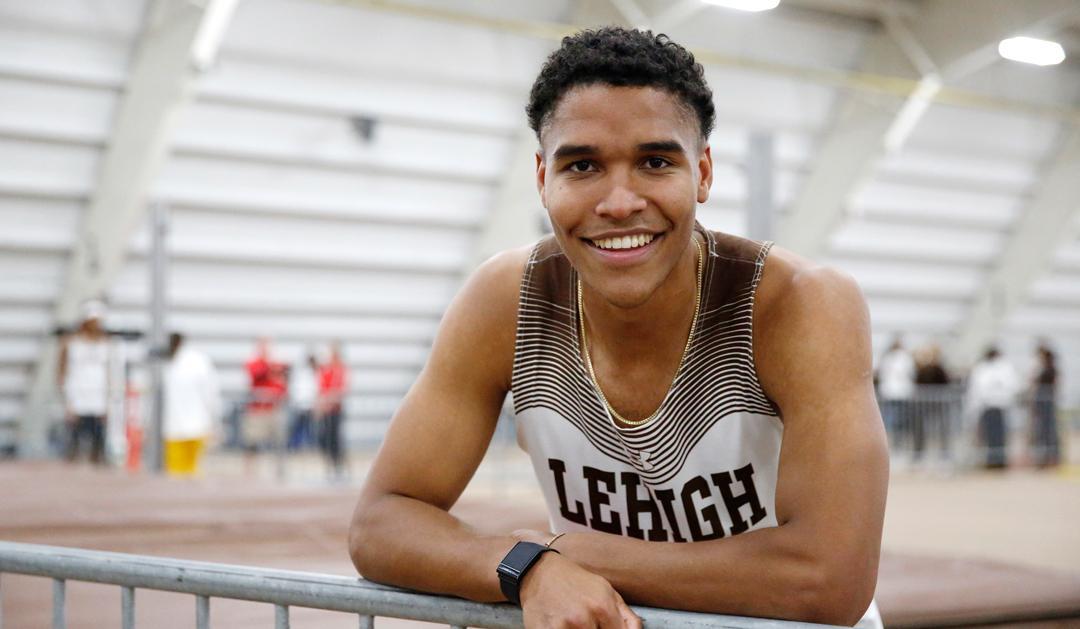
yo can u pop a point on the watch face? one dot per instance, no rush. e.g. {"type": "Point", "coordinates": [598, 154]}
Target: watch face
{"type": "Point", "coordinates": [506, 572]}
{"type": "Point", "coordinates": [518, 559]}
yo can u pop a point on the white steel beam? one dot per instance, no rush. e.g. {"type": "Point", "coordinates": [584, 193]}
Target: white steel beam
{"type": "Point", "coordinates": [516, 219]}
{"type": "Point", "coordinates": [1046, 223]}
{"type": "Point", "coordinates": [948, 39]}
{"type": "Point", "coordinates": [866, 9]}
{"type": "Point", "coordinates": [178, 41]}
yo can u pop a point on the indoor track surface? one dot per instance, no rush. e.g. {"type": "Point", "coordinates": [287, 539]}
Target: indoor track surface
{"type": "Point", "coordinates": [968, 547]}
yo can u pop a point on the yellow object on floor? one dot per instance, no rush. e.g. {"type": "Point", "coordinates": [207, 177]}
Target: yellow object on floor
{"type": "Point", "coordinates": [182, 456]}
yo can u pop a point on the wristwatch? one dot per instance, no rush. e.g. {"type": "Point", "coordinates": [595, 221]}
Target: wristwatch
{"type": "Point", "coordinates": [515, 564]}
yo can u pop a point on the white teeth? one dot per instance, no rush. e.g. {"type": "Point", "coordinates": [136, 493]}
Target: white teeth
{"type": "Point", "coordinates": [624, 242]}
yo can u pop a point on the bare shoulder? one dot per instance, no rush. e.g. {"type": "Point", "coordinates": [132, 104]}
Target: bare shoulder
{"type": "Point", "coordinates": [480, 326]}
{"type": "Point", "coordinates": [808, 316]}
{"type": "Point", "coordinates": [792, 281]}
{"type": "Point", "coordinates": [490, 295]}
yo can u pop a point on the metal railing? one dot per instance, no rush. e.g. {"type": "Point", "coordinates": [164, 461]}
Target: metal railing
{"type": "Point", "coordinates": [939, 424]}
{"type": "Point", "coordinates": [286, 588]}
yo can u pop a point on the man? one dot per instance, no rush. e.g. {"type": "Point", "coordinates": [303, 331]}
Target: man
{"type": "Point", "coordinates": [84, 382]}
{"type": "Point", "coordinates": [303, 389]}
{"type": "Point", "coordinates": [896, 382]}
{"type": "Point", "coordinates": [261, 428]}
{"type": "Point", "coordinates": [992, 388]}
{"type": "Point", "coordinates": [333, 383]}
{"type": "Point", "coordinates": [670, 384]}
{"type": "Point", "coordinates": [192, 407]}
{"type": "Point", "coordinates": [1045, 438]}
{"type": "Point", "coordinates": [936, 401]}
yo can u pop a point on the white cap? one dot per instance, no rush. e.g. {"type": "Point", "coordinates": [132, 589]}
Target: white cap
{"type": "Point", "coordinates": [92, 309]}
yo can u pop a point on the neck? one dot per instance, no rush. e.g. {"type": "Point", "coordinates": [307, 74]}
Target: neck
{"type": "Point", "coordinates": [660, 323]}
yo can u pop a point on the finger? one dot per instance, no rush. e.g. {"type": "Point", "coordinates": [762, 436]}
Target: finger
{"type": "Point", "coordinates": [630, 620]}
{"type": "Point", "coordinates": [611, 615]}
{"type": "Point", "coordinates": [610, 619]}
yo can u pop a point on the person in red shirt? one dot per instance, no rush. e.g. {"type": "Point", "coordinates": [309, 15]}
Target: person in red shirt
{"type": "Point", "coordinates": [333, 380]}
{"type": "Point", "coordinates": [262, 423]}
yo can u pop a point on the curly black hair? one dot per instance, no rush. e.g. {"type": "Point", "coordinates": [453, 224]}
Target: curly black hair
{"type": "Point", "coordinates": [621, 57]}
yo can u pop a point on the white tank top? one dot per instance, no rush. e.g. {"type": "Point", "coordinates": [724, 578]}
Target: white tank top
{"type": "Point", "coordinates": [86, 381]}
{"type": "Point", "coordinates": [705, 467]}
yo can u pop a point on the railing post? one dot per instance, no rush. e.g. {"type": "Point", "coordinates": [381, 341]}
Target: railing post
{"type": "Point", "coordinates": [127, 607]}
{"type": "Point", "coordinates": [58, 604]}
{"type": "Point", "coordinates": [202, 612]}
{"type": "Point", "coordinates": [366, 622]}
{"type": "Point", "coordinates": [281, 617]}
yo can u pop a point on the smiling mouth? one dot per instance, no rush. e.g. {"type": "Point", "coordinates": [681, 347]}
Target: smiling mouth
{"type": "Point", "coordinates": [622, 242]}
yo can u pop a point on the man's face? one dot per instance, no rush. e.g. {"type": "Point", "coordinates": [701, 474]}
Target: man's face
{"type": "Point", "coordinates": [92, 325]}
{"type": "Point", "coordinates": [618, 162]}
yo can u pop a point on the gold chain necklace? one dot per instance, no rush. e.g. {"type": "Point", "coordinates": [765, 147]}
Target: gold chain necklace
{"type": "Point", "coordinates": [686, 349]}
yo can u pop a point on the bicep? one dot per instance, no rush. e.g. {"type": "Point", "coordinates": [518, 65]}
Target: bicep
{"type": "Point", "coordinates": [441, 430]}
{"type": "Point", "coordinates": [833, 473]}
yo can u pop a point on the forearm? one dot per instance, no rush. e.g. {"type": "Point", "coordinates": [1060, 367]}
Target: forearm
{"type": "Point", "coordinates": [408, 543]}
{"type": "Point", "coordinates": [767, 573]}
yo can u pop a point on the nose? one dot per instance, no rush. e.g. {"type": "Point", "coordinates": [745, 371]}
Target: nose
{"type": "Point", "coordinates": [620, 202]}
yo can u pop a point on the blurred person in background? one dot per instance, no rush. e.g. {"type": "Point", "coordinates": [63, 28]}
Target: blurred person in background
{"type": "Point", "coordinates": [333, 381]}
{"type": "Point", "coordinates": [992, 389]}
{"type": "Point", "coordinates": [192, 407]}
{"type": "Point", "coordinates": [932, 414]}
{"type": "Point", "coordinates": [896, 386]}
{"type": "Point", "coordinates": [84, 382]}
{"type": "Point", "coordinates": [1044, 429]}
{"type": "Point", "coordinates": [261, 428]}
{"type": "Point", "coordinates": [303, 390]}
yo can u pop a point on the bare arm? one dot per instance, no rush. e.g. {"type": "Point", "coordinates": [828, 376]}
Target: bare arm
{"type": "Point", "coordinates": [62, 364]}
{"type": "Point", "coordinates": [401, 530]}
{"type": "Point", "coordinates": [820, 562]}
{"type": "Point", "coordinates": [61, 378]}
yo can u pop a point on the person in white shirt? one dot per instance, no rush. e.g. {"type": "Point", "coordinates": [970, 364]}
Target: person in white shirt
{"type": "Point", "coordinates": [896, 385]}
{"type": "Point", "coordinates": [192, 407]}
{"type": "Point", "coordinates": [84, 383]}
{"type": "Point", "coordinates": [992, 389]}
{"type": "Point", "coordinates": [303, 391]}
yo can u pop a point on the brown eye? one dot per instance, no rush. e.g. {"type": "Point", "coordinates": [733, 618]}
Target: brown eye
{"type": "Point", "coordinates": [657, 162]}
{"type": "Point", "coordinates": [580, 166]}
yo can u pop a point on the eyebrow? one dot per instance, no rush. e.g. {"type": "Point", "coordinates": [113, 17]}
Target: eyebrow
{"type": "Point", "coordinates": [659, 146]}
{"type": "Point", "coordinates": [665, 146]}
{"type": "Point", "coordinates": [574, 150]}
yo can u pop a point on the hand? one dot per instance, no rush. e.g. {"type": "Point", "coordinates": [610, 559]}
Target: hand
{"type": "Point", "coordinates": [215, 437]}
{"type": "Point", "coordinates": [558, 593]}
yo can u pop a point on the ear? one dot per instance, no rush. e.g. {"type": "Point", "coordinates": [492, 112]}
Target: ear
{"type": "Point", "coordinates": [541, 171]}
{"type": "Point", "coordinates": [704, 166]}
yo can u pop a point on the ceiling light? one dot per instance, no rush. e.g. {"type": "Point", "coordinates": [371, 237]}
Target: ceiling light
{"type": "Point", "coordinates": [211, 31]}
{"type": "Point", "coordinates": [1040, 52]}
{"type": "Point", "coordinates": [746, 5]}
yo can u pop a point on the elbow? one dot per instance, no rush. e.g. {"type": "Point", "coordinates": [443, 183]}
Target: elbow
{"type": "Point", "coordinates": [835, 594]}
{"type": "Point", "coordinates": [358, 530]}
{"type": "Point", "coordinates": [363, 540]}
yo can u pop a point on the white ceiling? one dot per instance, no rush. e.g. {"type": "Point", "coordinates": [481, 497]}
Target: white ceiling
{"type": "Point", "coordinates": [285, 222]}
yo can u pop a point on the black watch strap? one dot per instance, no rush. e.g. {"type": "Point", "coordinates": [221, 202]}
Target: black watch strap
{"type": "Point", "coordinates": [515, 565]}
